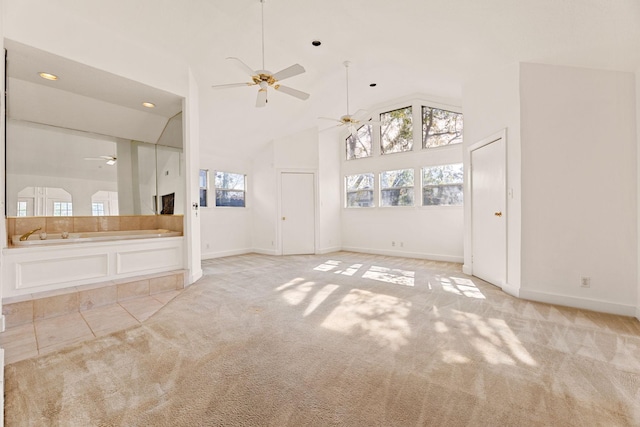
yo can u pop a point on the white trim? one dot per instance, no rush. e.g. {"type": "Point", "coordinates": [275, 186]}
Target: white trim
{"type": "Point", "coordinates": [221, 254]}
{"type": "Point", "coordinates": [418, 255]}
{"type": "Point", "coordinates": [323, 251]}
{"type": "Point", "coordinates": [638, 313]}
{"type": "Point", "coordinates": [582, 303]}
{"type": "Point", "coordinates": [467, 269]}
{"type": "Point", "coordinates": [468, 186]}
{"type": "Point", "coordinates": [512, 290]}
{"type": "Point", "coordinates": [264, 251]}
{"type": "Point", "coordinates": [316, 206]}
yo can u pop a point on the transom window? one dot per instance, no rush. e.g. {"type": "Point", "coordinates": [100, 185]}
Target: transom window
{"type": "Point", "coordinates": [360, 145]}
{"type": "Point", "coordinates": [396, 188]}
{"type": "Point", "coordinates": [359, 190]}
{"type": "Point", "coordinates": [442, 185]}
{"type": "Point", "coordinates": [230, 189]}
{"type": "Point", "coordinates": [440, 127]}
{"type": "Point", "coordinates": [396, 131]}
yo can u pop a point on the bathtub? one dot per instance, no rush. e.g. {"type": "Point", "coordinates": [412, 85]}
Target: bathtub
{"type": "Point", "coordinates": [88, 258]}
{"type": "Point", "coordinates": [40, 239]}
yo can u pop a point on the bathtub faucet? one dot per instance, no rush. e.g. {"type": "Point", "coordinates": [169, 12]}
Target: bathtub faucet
{"type": "Point", "coordinates": [26, 235]}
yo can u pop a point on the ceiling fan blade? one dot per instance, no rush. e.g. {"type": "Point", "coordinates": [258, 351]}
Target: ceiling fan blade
{"type": "Point", "coordinates": [244, 66]}
{"type": "Point", "coordinates": [231, 85]}
{"type": "Point", "coordinates": [333, 120]}
{"type": "Point", "coordinates": [261, 101]}
{"type": "Point", "coordinates": [291, 71]}
{"type": "Point", "coordinates": [293, 92]}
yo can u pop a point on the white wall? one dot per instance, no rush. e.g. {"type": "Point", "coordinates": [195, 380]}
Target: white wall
{"type": "Point", "coordinates": [430, 232]}
{"type": "Point", "coordinates": [330, 238]}
{"type": "Point", "coordinates": [264, 201]}
{"type": "Point", "coordinates": [579, 184]}
{"type": "Point", "coordinates": [638, 186]}
{"type": "Point", "coordinates": [225, 230]}
{"type": "Point", "coordinates": [491, 103]}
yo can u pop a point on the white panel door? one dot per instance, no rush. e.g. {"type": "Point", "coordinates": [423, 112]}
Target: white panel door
{"type": "Point", "coordinates": [297, 208]}
{"type": "Point", "coordinates": [488, 213]}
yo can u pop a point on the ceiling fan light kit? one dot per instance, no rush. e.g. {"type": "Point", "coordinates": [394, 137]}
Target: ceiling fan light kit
{"type": "Point", "coordinates": [264, 79]}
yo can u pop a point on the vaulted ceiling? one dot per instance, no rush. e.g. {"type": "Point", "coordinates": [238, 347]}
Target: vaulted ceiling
{"type": "Point", "coordinates": [406, 47]}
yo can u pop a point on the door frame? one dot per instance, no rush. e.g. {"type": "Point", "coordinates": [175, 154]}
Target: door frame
{"type": "Point", "coordinates": [316, 208]}
{"type": "Point", "coordinates": [468, 269]}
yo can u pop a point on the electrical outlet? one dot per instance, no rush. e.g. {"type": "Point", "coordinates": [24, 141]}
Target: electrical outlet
{"type": "Point", "coordinates": [402, 244]}
{"type": "Point", "coordinates": [393, 243]}
{"type": "Point", "coordinates": [207, 246]}
{"type": "Point", "coordinates": [585, 282]}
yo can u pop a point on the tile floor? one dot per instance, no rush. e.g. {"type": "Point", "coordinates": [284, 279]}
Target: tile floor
{"type": "Point", "coordinates": [47, 335]}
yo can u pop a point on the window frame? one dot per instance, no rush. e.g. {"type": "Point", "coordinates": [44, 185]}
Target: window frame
{"type": "Point", "coordinates": [205, 188]}
{"type": "Point", "coordinates": [422, 185]}
{"type": "Point", "coordinates": [413, 130]}
{"type": "Point", "coordinates": [244, 190]}
{"type": "Point", "coordinates": [412, 191]}
{"type": "Point", "coordinates": [68, 208]}
{"type": "Point", "coordinates": [422, 134]}
{"type": "Point", "coordinates": [372, 190]}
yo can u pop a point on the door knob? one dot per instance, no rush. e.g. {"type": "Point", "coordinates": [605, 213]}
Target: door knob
{"type": "Point", "coordinates": [283, 218]}
{"type": "Point", "coordinates": [498, 213]}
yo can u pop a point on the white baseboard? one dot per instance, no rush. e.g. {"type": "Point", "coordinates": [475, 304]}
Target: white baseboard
{"type": "Point", "coordinates": [513, 290]}
{"type": "Point", "coordinates": [193, 278]}
{"type": "Point", "coordinates": [263, 251]}
{"type": "Point", "coordinates": [329, 250]}
{"type": "Point", "coordinates": [221, 254]}
{"type": "Point", "coordinates": [638, 312]}
{"type": "Point", "coordinates": [406, 254]}
{"type": "Point", "coordinates": [584, 303]}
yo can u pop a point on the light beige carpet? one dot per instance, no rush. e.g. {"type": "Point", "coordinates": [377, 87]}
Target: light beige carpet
{"type": "Point", "coordinates": [340, 339]}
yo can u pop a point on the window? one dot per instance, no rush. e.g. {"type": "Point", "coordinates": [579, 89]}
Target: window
{"type": "Point", "coordinates": [230, 189]}
{"type": "Point", "coordinates": [62, 209]}
{"type": "Point", "coordinates": [396, 131]}
{"type": "Point", "coordinates": [440, 127]}
{"type": "Point", "coordinates": [442, 185]}
{"type": "Point", "coordinates": [360, 144]}
{"type": "Point", "coordinates": [359, 190]}
{"type": "Point", "coordinates": [97, 209]}
{"type": "Point", "coordinates": [22, 209]}
{"type": "Point", "coordinates": [204, 187]}
{"type": "Point", "coordinates": [396, 188]}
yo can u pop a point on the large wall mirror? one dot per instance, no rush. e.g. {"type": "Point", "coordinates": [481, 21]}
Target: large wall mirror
{"type": "Point", "coordinates": [83, 144]}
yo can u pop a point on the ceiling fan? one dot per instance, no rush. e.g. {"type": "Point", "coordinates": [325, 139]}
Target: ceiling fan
{"type": "Point", "coordinates": [110, 160]}
{"type": "Point", "coordinates": [355, 121]}
{"type": "Point", "coordinates": [265, 79]}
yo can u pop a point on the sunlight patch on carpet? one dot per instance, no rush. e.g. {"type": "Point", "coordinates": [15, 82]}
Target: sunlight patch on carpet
{"type": "Point", "coordinates": [380, 317]}
{"type": "Point", "coordinates": [328, 265]}
{"type": "Point", "coordinates": [494, 340]}
{"type": "Point", "coordinates": [390, 275]}
{"type": "Point", "coordinates": [461, 286]}
{"type": "Point", "coordinates": [318, 298]}
{"type": "Point", "coordinates": [296, 295]}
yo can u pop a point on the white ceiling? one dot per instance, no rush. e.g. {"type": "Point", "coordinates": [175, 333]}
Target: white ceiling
{"type": "Point", "coordinates": [428, 47]}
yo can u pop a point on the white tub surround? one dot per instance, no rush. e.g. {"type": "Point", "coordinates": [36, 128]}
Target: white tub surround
{"type": "Point", "coordinates": [39, 239]}
{"type": "Point", "coordinates": [46, 267]}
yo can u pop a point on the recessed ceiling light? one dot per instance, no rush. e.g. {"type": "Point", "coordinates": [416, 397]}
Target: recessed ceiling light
{"type": "Point", "coordinates": [48, 76]}
{"type": "Point", "coordinates": [316, 43]}
{"type": "Point", "coordinates": [149, 104]}
{"type": "Point", "coordinates": [373, 84]}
